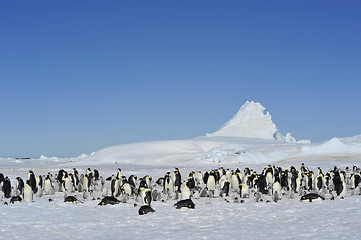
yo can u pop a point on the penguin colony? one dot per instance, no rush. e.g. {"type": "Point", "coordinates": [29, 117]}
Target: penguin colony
{"type": "Point", "coordinates": [272, 184]}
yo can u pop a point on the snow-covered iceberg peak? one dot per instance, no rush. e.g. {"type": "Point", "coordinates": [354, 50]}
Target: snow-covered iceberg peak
{"type": "Point", "coordinates": [250, 121]}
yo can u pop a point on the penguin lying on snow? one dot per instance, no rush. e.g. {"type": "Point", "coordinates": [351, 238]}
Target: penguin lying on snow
{"type": "Point", "coordinates": [187, 203]}
{"type": "Point", "coordinates": [109, 200]}
{"type": "Point", "coordinates": [145, 209]}
{"type": "Point", "coordinates": [15, 199]}
{"type": "Point", "coordinates": [71, 199]}
{"type": "Point", "coordinates": [311, 197]}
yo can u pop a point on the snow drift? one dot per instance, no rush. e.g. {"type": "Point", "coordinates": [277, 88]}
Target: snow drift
{"type": "Point", "coordinates": [335, 146]}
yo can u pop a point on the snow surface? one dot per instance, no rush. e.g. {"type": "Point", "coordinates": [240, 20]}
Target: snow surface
{"type": "Point", "coordinates": [212, 219]}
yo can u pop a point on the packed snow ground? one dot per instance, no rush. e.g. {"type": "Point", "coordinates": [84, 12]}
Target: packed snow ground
{"type": "Point", "coordinates": [212, 218]}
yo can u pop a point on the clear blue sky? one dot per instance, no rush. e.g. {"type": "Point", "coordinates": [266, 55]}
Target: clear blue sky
{"type": "Point", "coordinates": [78, 76]}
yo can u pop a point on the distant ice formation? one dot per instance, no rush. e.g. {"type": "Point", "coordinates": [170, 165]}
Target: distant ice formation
{"type": "Point", "coordinates": [251, 122]}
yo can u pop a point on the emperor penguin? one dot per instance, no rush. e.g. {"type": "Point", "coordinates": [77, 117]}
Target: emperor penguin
{"type": "Point", "coordinates": [148, 180]}
{"type": "Point", "coordinates": [32, 181]}
{"type": "Point", "coordinates": [228, 175]}
{"type": "Point", "coordinates": [248, 177]}
{"type": "Point", "coordinates": [352, 180]}
{"type": "Point", "coordinates": [132, 181]}
{"type": "Point", "coordinates": [319, 182]}
{"type": "Point", "coordinates": [298, 185]}
{"type": "Point", "coordinates": [114, 187]}
{"type": "Point", "coordinates": [15, 199]}
{"type": "Point", "coordinates": [222, 180]}
{"type": "Point", "coordinates": [319, 171]}
{"type": "Point", "coordinates": [216, 175]}
{"type": "Point", "coordinates": [234, 181]}
{"type": "Point", "coordinates": [90, 180]}
{"type": "Point", "coordinates": [343, 192]}
{"type": "Point", "coordinates": [71, 199]}
{"type": "Point", "coordinates": [68, 184]}
{"type": "Point", "coordinates": [311, 197]}
{"type": "Point", "coordinates": [7, 187]}
{"type": "Point", "coordinates": [108, 200]}
{"type": "Point", "coordinates": [205, 177]}
{"type": "Point", "coordinates": [19, 186]}
{"type": "Point", "coordinates": [48, 186]}
{"type": "Point", "coordinates": [76, 178]}
{"type": "Point", "coordinates": [243, 190]}
{"type": "Point", "coordinates": [276, 189]}
{"type": "Point", "coordinates": [87, 182]}
{"type": "Point", "coordinates": [303, 168]}
{"type": "Point", "coordinates": [311, 180]}
{"type": "Point", "coordinates": [168, 184]}
{"type": "Point", "coordinates": [269, 177]}
{"type": "Point", "coordinates": [145, 196]}
{"type": "Point", "coordinates": [61, 174]}
{"type": "Point", "coordinates": [284, 180]}
{"type": "Point", "coordinates": [28, 192]}
{"type": "Point", "coordinates": [39, 182]}
{"type": "Point", "coordinates": [338, 183]}
{"type": "Point", "coordinates": [211, 183]}
{"type": "Point", "coordinates": [177, 179]}
{"type": "Point", "coordinates": [190, 174]}
{"type": "Point", "coordinates": [199, 178]}
{"type": "Point", "coordinates": [185, 204]}
{"type": "Point", "coordinates": [186, 193]}
{"type": "Point", "coordinates": [119, 173]}
{"type": "Point", "coordinates": [72, 178]}
{"type": "Point", "coordinates": [357, 180]}
{"type": "Point", "coordinates": [2, 178]}
{"type": "Point", "coordinates": [145, 210]}
{"type": "Point", "coordinates": [221, 171]}
{"type": "Point", "coordinates": [225, 189]}
{"type": "Point", "coordinates": [96, 175]}
{"type": "Point", "coordinates": [191, 183]}
{"type": "Point", "coordinates": [240, 177]}
{"type": "Point", "coordinates": [262, 184]}
{"type": "Point", "coordinates": [88, 171]}
{"type": "Point", "coordinates": [123, 180]}
{"type": "Point", "coordinates": [127, 189]}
